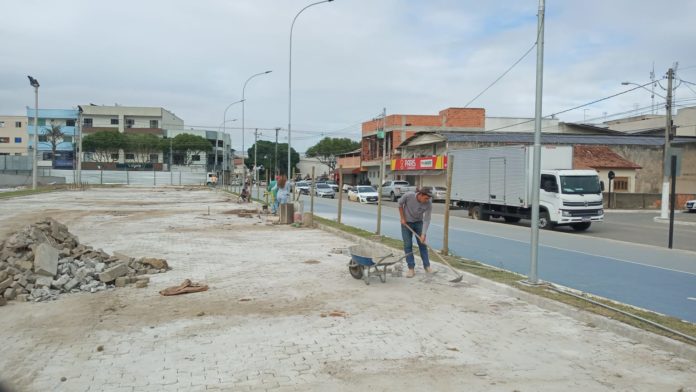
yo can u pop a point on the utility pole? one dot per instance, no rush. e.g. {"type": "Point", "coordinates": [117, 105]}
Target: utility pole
{"type": "Point", "coordinates": [534, 252]}
{"type": "Point", "coordinates": [381, 170]}
{"type": "Point", "coordinates": [256, 142]}
{"type": "Point", "coordinates": [664, 207]}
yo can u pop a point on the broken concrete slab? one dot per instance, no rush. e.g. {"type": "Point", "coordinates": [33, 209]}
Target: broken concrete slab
{"type": "Point", "coordinates": [114, 272]}
{"type": "Point", "coordinates": [46, 260]}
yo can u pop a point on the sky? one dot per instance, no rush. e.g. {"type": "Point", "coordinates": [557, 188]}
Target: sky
{"type": "Point", "coordinates": [350, 59]}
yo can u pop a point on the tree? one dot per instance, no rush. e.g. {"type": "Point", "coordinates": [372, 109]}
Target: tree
{"type": "Point", "coordinates": [267, 149]}
{"type": "Point", "coordinates": [54, 136]}
{"type": "Point", "coordinates": [327, 149]}
{"type": "Point", "coordinates": [189, 145]}
{"type": "Point", "coordinates": [142, 146]}
{"type": "Point", "coordinates": [103, 144]}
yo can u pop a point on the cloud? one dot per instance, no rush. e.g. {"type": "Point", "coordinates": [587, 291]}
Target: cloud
{"type": "Point", "coordinates": [351, 58]}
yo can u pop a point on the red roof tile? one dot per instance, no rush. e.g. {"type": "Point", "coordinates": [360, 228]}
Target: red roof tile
{"type": "Point", "coordinates": [599, 157]}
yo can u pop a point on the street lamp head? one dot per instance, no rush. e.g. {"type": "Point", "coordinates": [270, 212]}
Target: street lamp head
{"type": "Point", "coordinates": [625, 83]}
{"type": "Point", "coordinates": [267, 72]}
{"type": "Point", "coordinates": [33, 82]}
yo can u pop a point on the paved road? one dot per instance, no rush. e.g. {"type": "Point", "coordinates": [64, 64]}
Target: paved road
{"type": "Point", "coordinates": [642, 275]}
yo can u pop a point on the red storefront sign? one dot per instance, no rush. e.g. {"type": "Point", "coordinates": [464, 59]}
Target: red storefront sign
{"type": "Point", "coordinates": [436, 162]}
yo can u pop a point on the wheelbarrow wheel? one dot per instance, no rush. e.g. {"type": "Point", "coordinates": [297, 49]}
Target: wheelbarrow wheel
{"type": "Point", "coordinates": [356, 270]}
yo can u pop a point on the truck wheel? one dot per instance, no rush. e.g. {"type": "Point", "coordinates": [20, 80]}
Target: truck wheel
{"type": "Point", "coordinates": [393, 197]}
{"type": "Point", "coordinates": [582, 226]}
{"type": "Point", "coordinates": [544, 221]}
{"type": "Point", "coordinates": [478, 214]}
{"type": "Point", "coordinates": [511, 219]}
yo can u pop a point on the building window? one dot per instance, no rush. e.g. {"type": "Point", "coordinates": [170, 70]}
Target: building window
{"type": "Point", "coordinates": [195, 158]}
{"type": "Point", "coordinates": [129, 123]}
{"type": "Point", "coordinates": [114, 121]}
{"type": "Point", "coordinates": [70, 123]}
{"type": "Point", "coordinates": [130, 156]}
{"type": "Point", "coordinates": [18, 140]}
{"type": "Point", "coordinates": [42, 122]}
{"type": "Point", "coordinates": [47, 156]}
{"type": "Point", "coordinates": [2, 124]}
{"type": "Point", "coordinates": [43, 138]}
{"type": "Point", "coordinates": [4, 139]}
{"type": "Point", "coordinates": [18, 124]}
{"type": "Point", "coordinates": [67, 139]}
{"type": "Point", "coordinates": [621, 184]}
{"type": "Point", "coordinates": [154, 124]}
{"type": "Point", "coordinates": [87, 122]}
{"type": "Point", "coordinates": [114, 157]}
{"type": "Point", "coordinates": [154, 158]}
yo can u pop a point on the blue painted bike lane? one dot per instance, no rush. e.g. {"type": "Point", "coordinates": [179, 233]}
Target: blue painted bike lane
{"type": "Point", "coordinates": [653, 288]}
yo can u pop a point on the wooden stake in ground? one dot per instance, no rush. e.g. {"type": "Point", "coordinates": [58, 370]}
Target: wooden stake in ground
{"type": "Point", "coordinates": [340, 192]}
{"type": "Point", "coordinates": [445, 240]}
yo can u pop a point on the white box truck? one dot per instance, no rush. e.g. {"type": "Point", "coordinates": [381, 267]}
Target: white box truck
{"type": "Point", "coordinates": [497, 182]}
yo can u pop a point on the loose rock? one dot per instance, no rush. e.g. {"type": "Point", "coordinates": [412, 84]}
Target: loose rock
{"type": "Point", "coordinates": [44, 260]}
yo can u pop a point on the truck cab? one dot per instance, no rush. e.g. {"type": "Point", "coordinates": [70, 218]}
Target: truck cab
{"type": "Point", "coordinates": [570, 197]}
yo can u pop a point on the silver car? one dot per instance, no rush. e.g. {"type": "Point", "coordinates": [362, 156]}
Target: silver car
{"type": "Point", "coordinates": [439, 192]}
{"type": "Point", "coordinates": [324, 190]}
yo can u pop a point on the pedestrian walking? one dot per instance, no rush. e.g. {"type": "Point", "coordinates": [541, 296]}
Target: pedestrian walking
{"type": "Point", "coordinates": [415, 209]}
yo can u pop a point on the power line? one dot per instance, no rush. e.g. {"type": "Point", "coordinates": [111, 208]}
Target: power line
{"type": "Point", "coordinates": [501, 76]}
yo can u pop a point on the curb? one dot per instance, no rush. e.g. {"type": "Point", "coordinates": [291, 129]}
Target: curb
{"type": "Point", "coordinates": [676, 222]}
{"type": "Point", "coordinates": [648, 338]}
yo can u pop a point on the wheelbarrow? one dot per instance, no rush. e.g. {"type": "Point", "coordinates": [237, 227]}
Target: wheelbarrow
{"type": "Point", "coordinates": [366, 261]}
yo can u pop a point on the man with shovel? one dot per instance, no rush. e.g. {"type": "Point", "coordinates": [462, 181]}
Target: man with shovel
{"type": "Point", "coordinates": [415, 209]}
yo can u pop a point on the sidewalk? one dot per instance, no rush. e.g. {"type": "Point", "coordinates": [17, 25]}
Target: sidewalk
{"type": "Point", "coordinates": [284, 314]}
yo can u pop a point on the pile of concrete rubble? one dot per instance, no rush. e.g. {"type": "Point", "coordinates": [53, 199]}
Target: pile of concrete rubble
{"type": "Point", "coordinates": [45, 260]}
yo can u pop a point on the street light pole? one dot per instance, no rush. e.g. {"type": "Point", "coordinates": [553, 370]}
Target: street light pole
{"type": "Point", "coordinates": [224, 121]}
{"type": "Point", "coordinates": [35, 83]}
{"type": "Point", "coordinates": [243, 125]}
{"type": "Point", "coordinates": [290, 84]}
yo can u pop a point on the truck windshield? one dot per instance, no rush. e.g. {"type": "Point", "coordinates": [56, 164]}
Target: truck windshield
{"type": "Point", "coordinates": [575, 185]}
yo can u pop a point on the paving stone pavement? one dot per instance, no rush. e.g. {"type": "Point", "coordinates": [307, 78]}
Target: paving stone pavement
{"type": "Point", "coordinates": [264, 323]}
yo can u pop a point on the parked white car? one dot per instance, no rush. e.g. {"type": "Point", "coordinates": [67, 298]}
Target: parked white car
{"type": "Point", "coordinates": [363, 194]}
{"type": "Point", "coordinates": [690, 206]}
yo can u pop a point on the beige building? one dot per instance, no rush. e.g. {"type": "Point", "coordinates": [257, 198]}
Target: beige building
{"type": "Point", "coordinates": [129, 119]}
{"type": "Point", "coordinates": [13, 135]}
{"type": "Point", "coordinates": [684, 122]}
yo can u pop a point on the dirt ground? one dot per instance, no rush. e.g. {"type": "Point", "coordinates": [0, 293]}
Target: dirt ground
{"type": "Point", "coordinates": [283, 313]}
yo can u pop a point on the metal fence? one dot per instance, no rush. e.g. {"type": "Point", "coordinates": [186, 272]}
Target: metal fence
{"type": "Point", "coordinates": [124, 177]}
{"type": "Point", "coordinates": [15, 163]}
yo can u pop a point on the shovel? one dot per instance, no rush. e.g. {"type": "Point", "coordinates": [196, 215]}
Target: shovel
{"type": "Point", "coordinates": [442, 259]}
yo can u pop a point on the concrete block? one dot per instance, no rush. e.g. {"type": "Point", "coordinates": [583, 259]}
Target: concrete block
{"type": "Point", "coordinates": [22, 297]}
{"type": "Point", "coordinates": [46, 260]}
{"type": "Point", "coordinates": [43, 281]}
{"type": "Point", "coordinates": [25, 265]}
{"type": "Point", "coordinates": [114, 272]}
{"type": "Point", "coordinates": [141, 284]}
{"type": "Point", "coordinates": [60, 282]}
{"type": "Point", "coordinates": [3, 301]}
{"type": "Point", "coordinates": [3, 275]}
{"type": "Point", "coordinates": [6, 283]}
{"type": "Point", "coordinates": [121, 282]}
{"type": "Point", "coordinates": [72, 283]}
{"type": "Point", "coordinates": [122, 257]}
{"type": "Point", "coordinates": [10, 293]}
